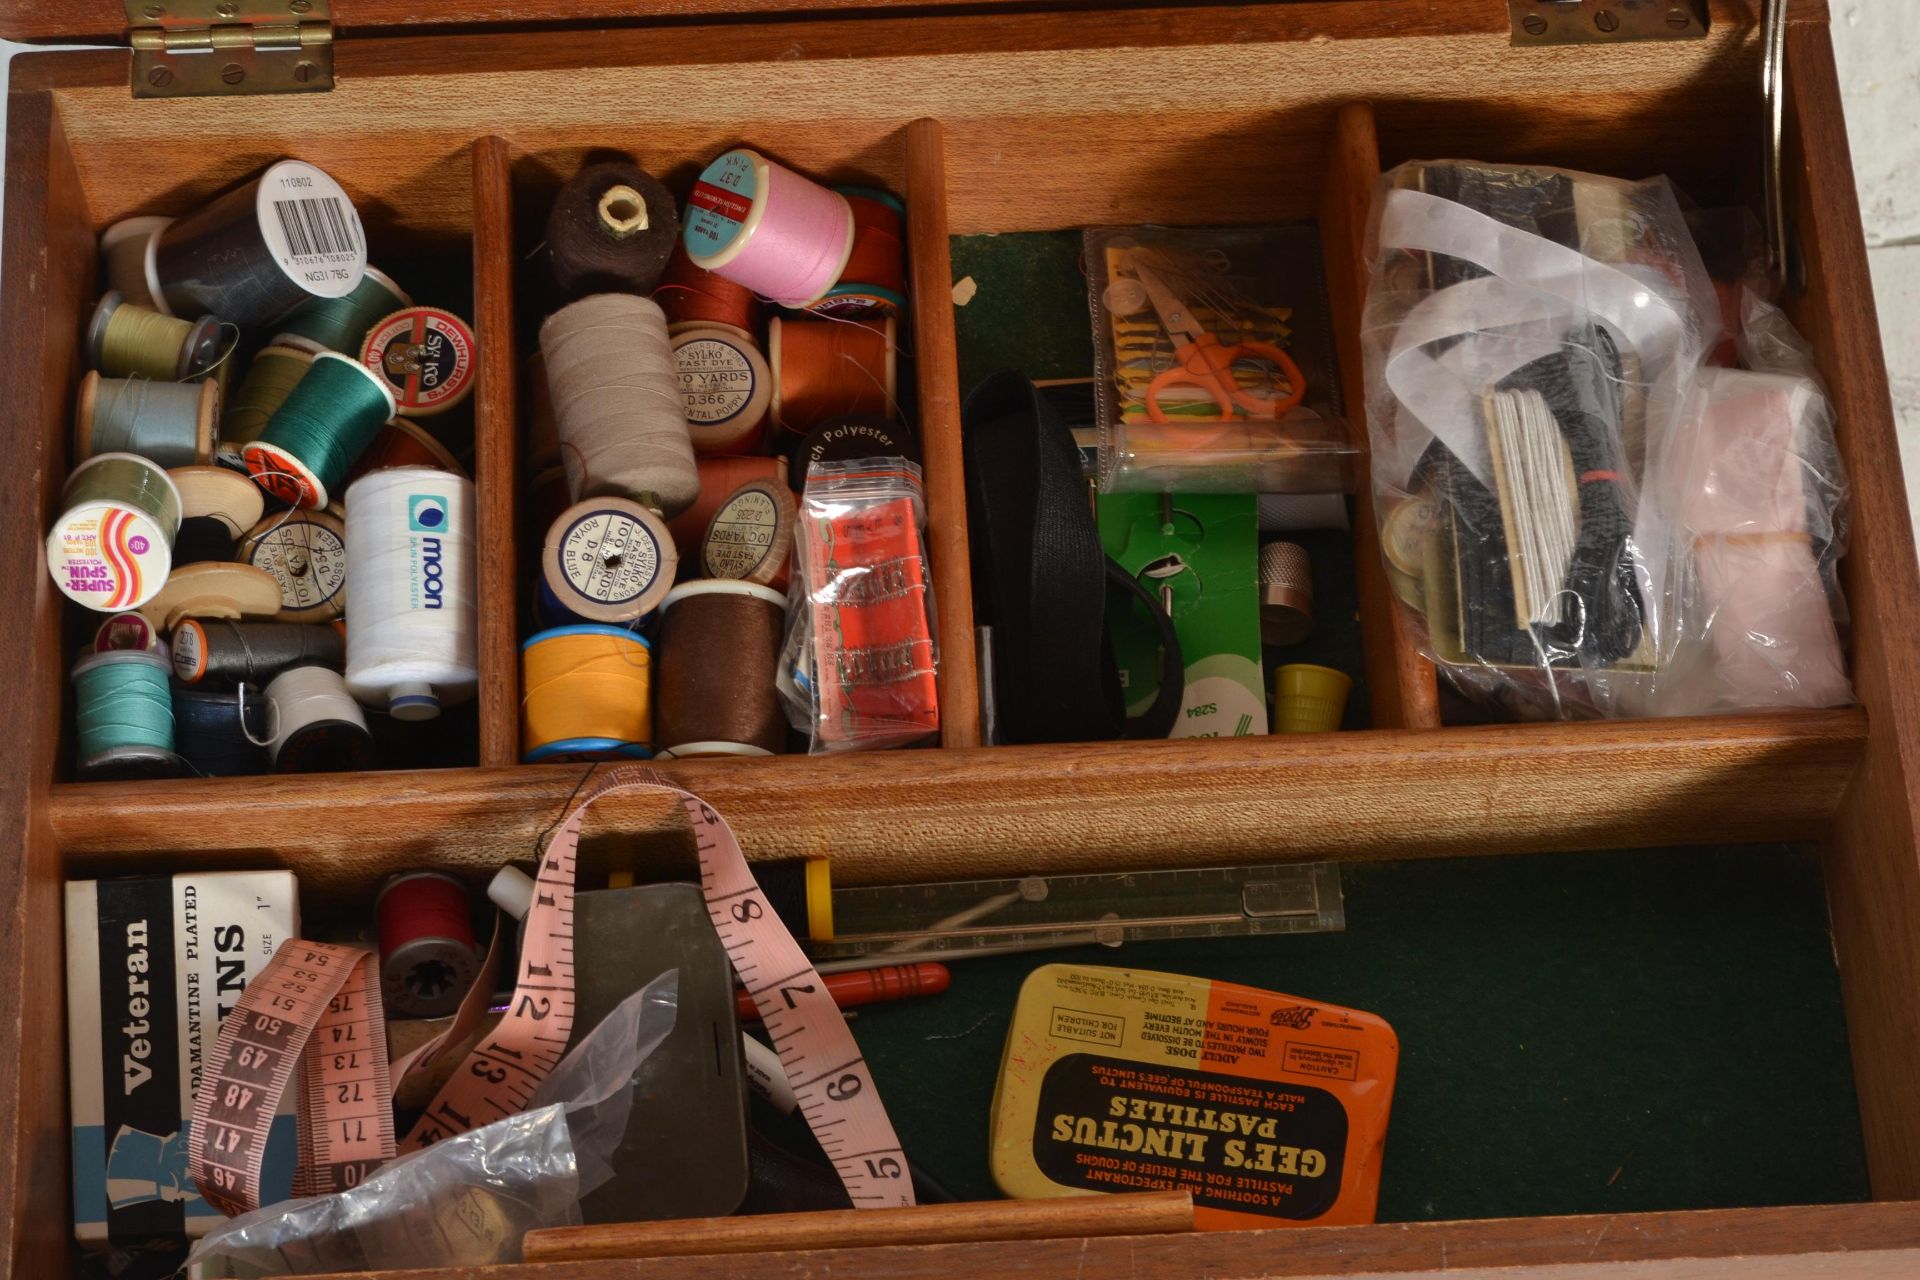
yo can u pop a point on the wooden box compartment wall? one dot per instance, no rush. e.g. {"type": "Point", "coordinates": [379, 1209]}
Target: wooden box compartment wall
{"type": "Point", "coordinates": [989, 122]}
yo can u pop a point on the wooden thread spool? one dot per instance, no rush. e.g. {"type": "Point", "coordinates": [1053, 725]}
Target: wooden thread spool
{"type": "Point", "coordinates": [694, 298]}
{"type": "Point", "coordinates": [213, 590]}
{"type": "Point", "coordinates": [751, 536]}
{"type": "Point", "coordinates": [218, 506]}
{"type": "Point", "coordinates": [725, 388]}
{"type": "Point", "coordinates": [875, 278]}
{"type": "Point", "coordinates": [427, 356]}
{"type": "Point", "coordinates": [719, 654]}
{"type": "Point", "coordinates": [402, 443]}
{"type": "Point", "coordinates": [606, 560]}
{"type": "Point", "coordinates": [127, 340]}
{"type": "Point", "coordinates": [276, 370]}
{"type": "Point", "coordinates": [306, 553]}
{"type": "Point", "coordinates": [720, 475]}
{"type": "Point", "coordinates": [588, 695]}
{"type": "Point", "coordinates": [825, 368]}
{"type": "Point", "coordinates": [611, 230]}
{"type": "Point", "coordinates": [123, 256]}
{"type": "Point", "coordinates": [168, 422]}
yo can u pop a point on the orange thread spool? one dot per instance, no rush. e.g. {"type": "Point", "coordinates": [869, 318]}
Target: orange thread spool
{"type": "Point", "coordinates": [693, 297]}
{"type": "Point", "coordinates": [404, 444]}
{"type": "Point", "coordinates": [825, 368]}
{"type": "Point", "coordinates": [875, 279]}
{"type": "Point", "coordinates": [720, 475]}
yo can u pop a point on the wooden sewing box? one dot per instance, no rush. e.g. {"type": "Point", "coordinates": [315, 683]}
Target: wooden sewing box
{"type": "Point", "coordinates": [447, 124]}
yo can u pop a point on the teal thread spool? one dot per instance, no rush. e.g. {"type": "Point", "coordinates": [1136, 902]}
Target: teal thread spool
{"type": "Point", "coordinates": [170, 423]}
{"type": "Point", "coordinates": [341, 324]}
{"type": "Point", "coordinates": [123, 710]}
{"type": "Point", "coordinates": [320, 430]}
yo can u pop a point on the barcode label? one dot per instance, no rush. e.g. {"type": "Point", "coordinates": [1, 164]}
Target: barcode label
{"type": "Point", "coordinates": [317, 226]}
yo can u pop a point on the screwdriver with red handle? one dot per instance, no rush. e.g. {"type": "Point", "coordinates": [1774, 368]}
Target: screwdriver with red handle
{"type": "Point", "coordinates": [870, 986]}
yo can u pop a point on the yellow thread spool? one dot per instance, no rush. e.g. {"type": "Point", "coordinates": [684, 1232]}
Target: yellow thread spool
{"type": "Point", "coordinates": [127, 340]}
{"type": "Point", "coordinates": [588, 695]}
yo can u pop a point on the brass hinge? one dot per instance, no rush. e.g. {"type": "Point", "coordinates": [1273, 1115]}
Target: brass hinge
{"type": "Point", "coordinates": [220, 48]}
{"type": "Point", "coordinates": [1605, 21]}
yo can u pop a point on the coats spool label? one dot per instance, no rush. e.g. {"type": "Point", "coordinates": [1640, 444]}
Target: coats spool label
{"type": "Point", "coordinates": [609, 557]}
{"type": "Point", "coordinates": [716, 380]}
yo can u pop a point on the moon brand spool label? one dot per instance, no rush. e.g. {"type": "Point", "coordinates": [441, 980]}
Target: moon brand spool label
{"type": "Point", "coordinates": [308, 558]}
{"type": "Point", "coordinates": [716, 379]}
{"type": "Point", "coordinates": [610, 558]}
{"type": "Point", "coordinates": [426, 356]}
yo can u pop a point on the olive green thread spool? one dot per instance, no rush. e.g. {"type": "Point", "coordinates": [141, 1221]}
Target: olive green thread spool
{"type": "Point", "coordinates": [318, 432]}
{"type": "Point", "coordinates": [126, 340]}
{"type": "Point", "coordinates": [111, 548]}
{"type": "Point", "coordinates": [170, 423]}
{"type": "Point", "coordinates": [270, 379]}
{"type": "Point", "coordinates": [341, 324]}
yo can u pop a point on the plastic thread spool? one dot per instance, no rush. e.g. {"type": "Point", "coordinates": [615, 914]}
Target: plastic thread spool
{"type": "Point", "coordinates": [764, 226]}
{"type": "Point", "coordinates": [213, 590]}
{"type": "Point", "coordinates": [124, 715]}
{"type": "Point", "coordinates": [123, 256]}
{"type": "Point", "coordinates": [588, 695]}
{"type": "Point", "coordinates": [1309, 698]}
{"type": "Point", "coordinates": [211, 728]}
{"type": "Point", "coordinates": [271, 378]}
{"type": "Point", "coordinates": [426, 356]}
{"type": "Point", "coordinates": [611, 230]}
{"type": "Point", "coordinates": [112, 546]}
{"type": "Point", "coordinates": [168, 422]}
{"type": "Point", "coordinates": [222, 652]}
{"type": "Point", "coordinates": [607, 560]}
{"type": "Point", "coordinates": [828, 368]}
{"type": "Point", "coordinates": [129, 631]}
{"type": "Point", "coordinates": [1286, 593]}
{"type": "Point", "coordinates": [616, 400]}
{"type": "Point", "coordinates": [847, 438]}
{"type": "Point", "coordinates": [127, 340]}
{"type": "Point", "coordinates": [719, 651]}
{"type": "Point", "coordinates": [256, 253]}
{"type": "Point", "coordinates": [695, 298]}
{"type": "Point", "coordinates": [411, 645]}
{"type": "Point", "coordinates": [751, 536]}
{"type": "Point", "coordinates": [341, 324]}
{"type": "Point", "coordinates": [875, 277]}
{"type": "Point", "coordinates": [725, 387]}
{"type": "Point", "coordinates": [317, 726]}
{"type": "Point", "coordinates": [428, 954]}
{"type": "Point", "coordinates": [319, 431]}
{"type": "Point", "coordinates": [405, 444]}
{"type": "Point", "coordinates": [306, 552]}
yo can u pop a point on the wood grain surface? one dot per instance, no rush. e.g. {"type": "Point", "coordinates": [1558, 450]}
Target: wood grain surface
{"type": "Point", "coordinates": [1135, 1214]}
{"type": "Point", "coordinates": [496, 452]}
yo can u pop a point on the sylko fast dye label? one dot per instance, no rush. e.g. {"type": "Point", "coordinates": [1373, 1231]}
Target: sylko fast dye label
{"type": "Point", "coordinates": [1268, 1108]}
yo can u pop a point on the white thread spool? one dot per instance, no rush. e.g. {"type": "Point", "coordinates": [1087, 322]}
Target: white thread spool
{"type": "Point", "coordinates": [411, 644]}
{"type": "Point", "coordinates": [617, 404]}
{"type": "Point", "coordinates": [317, 727]}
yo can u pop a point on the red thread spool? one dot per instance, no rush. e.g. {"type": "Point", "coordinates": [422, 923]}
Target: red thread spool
{"type": "Point", "coordinates": [875, 279]}
{"type": "Point", "coordinates": [720, 475]}
{"type": "Point", "coordinates": [695, 298]}
{"type": "Point", "coordinates": [825, 368]}
{"type": "Point", "coordinates": [428, 954]}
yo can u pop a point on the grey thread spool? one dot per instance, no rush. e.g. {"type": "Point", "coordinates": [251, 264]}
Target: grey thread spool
{"type": "Point", "coordinates": [217, 651]}
{"type": "Point", "coordinates": [617, 402]}
{"type": "Point", "coordinates": [170, 423]}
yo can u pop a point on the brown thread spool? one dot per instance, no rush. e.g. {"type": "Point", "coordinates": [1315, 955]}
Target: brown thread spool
{"type": "Point", "coordinates": [695, 298]}
{"type": "Point", "coordinates": [825, 368]}
{"type": "Point", "coordinates": [716, 656]}
{"type": "Point", "coordinates": [720, 476]}
{"type": "Point", "coordinates": [875, 278]}
{"type": "Point", "coordinates": [612, 229]}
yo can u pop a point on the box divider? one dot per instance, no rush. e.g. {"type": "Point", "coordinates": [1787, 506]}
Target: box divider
{"type": "Point", "coordinates": [496, 452]}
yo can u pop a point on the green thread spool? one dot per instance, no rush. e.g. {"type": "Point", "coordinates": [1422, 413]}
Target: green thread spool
{"type": "Point", "coordinates": [123, 711]}
{"type": "Point", "coordinates": [126, 340]}
{"type": "Point", "coordinates": [316, 435]}
{"type": "Point", "coordinates": [111, 549]}
{"type": "Point", "coordinates": [270, 379]}
{"type": "Point", "coordinates": [170, 423]}
{"type": "Point", "coordinates": [341, 324]}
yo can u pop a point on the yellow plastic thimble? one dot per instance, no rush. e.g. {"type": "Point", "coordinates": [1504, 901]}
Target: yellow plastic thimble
{"type": "Point", "coordinates": [1309, 698]}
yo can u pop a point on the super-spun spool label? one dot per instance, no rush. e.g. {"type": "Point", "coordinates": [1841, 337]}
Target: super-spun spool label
{"type": "Point", "coordinates": [108, 557]}
{"type": "Point", "coordinates": [609, 557]}
{"type": "Point", "coordinates": [716, 380]}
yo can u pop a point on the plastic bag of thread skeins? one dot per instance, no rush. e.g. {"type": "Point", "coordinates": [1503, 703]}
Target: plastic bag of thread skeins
{"type": "Point", "coordinates": [1214, 362]}
{"type": "Point", "coordinates": [1583, 517]}
{"type": "Point", "coordinates": [859, 670]}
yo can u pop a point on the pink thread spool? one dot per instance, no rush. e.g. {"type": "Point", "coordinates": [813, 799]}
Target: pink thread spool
{"type": "Point", "coordinates": [764, 226]}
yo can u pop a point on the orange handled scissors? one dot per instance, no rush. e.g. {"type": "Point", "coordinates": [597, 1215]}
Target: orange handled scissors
{"type": "Point", "coordinates": [1201, 361]}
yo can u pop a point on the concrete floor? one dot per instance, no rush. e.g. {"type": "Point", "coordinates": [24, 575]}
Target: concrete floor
{"type": "Point", "coordinates": [1877, 45]}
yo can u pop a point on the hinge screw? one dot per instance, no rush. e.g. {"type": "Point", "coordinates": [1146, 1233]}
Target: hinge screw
{"type": "Point", "coordinates": [233, 73]}
{"type": "Point", "coordinates": [153, 11]}
{"type": "Point", "coordinates": [160, 77]}
{"type": "Point", "coordinates": [1606, 21]}
{"type": "Point", "coordinates": [226, 8]}
{"type": "Point", "coordinates": [300, 6]}
{"type": "Point", "coordinates": [1535, 24]}
{"type": "Point", "coordinates": [1678, 18]}
{"type": "Point", "coordinates": [304, 71]}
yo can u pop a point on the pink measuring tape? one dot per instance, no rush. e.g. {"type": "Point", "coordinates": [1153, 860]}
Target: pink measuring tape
{"type": "Point", "coordinates": [319, 1004]}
